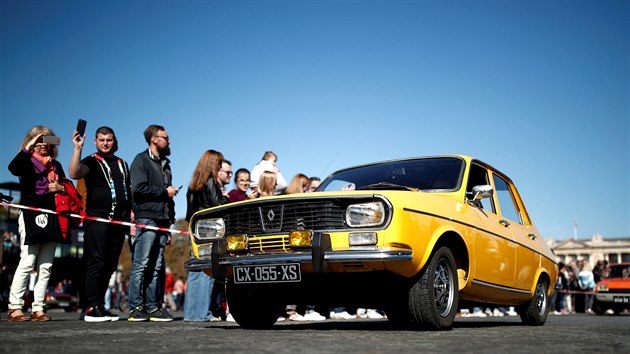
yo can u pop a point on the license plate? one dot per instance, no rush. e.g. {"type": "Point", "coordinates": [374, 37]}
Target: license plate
{"type": "Point", "coordinates": [268, 273]}
{"type": "Point", "coordinates": [63, 304]}
{"type": "Point", "coordinates": [621, 300]}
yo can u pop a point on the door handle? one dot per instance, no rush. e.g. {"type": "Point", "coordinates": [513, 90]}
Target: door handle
{"type": "Point", "coordinates": [504, 222]}
{"type": "Point", "coordinates": [532, 236]}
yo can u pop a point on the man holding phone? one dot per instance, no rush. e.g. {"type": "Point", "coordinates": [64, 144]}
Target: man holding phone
{"type": "Point", "coordinates": [107, 181]}
{"type": "Point", "coordinates": [153, 205]}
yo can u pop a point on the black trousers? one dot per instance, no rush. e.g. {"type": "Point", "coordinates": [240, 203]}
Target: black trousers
{"type": "Point", "coordinates": [102, 244]}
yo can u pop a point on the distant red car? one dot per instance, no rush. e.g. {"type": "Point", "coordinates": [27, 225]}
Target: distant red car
{"type": "Point", "coordinates": [613, 292]}
{"type": "Point", "coordinates": [65, 301]}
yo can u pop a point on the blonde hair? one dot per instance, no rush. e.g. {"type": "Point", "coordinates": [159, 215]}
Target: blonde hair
{"type": "Point", "coordinates": [267, 184]}
{"type": "Point", "coordinates": [298, 183]}
{"type": "Point", "coordinates": [35, 131]}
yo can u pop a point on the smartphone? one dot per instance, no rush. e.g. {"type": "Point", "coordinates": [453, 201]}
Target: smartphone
{"type": "Point", "coordinates": [51, 139]}
{"type": "Point", "coordinates": [81, 127]}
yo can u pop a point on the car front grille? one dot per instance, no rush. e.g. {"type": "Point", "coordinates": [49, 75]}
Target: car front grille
{"type": "Point", "coordinates": [264, 219]}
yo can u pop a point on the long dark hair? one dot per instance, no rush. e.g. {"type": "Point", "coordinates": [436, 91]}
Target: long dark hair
{"type": "Point", "coordinates": [208, 166]}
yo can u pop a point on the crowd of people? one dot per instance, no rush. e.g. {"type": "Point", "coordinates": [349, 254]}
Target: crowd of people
{"type": "Point", "coordinates": [141, 193]}
{"type": "Point", "coordinates": [575, 286]}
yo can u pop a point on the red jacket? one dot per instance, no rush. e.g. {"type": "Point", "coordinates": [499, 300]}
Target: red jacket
{"type": "Point", "coordinates": [69, 202]}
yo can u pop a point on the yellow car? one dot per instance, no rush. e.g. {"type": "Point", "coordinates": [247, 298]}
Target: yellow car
{"type": "Point", "coordinates": [415, 237]}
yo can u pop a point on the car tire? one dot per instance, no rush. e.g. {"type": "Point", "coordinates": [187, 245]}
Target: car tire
{"type": "Point", "coordinates": [252, 308]}
{"type": "Point", "coordinates": [535, 312]}
{"type": "Point", "coordinates": [434, 297]}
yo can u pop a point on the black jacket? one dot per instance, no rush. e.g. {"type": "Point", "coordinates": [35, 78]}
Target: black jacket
{"type": "Point", "coordinates": [208, 197]}
{"type": "Point", "coordinates": [150, 176]}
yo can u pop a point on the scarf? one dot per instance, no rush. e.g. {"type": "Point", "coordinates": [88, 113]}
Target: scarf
{"type": "Point", "coordinates": [47, 161]}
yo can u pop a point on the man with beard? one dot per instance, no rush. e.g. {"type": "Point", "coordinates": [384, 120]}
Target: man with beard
{"type": "Point", "coordinates": [153, 205]}
{"type": "Point", "coordinates": [108, 196]}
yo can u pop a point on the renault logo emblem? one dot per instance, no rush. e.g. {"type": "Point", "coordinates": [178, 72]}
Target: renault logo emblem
{"type": "Point", "coordinates": [271, 215]}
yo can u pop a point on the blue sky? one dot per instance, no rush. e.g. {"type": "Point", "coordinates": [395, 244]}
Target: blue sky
{"type": "Point", "coordinates": [538, 89]}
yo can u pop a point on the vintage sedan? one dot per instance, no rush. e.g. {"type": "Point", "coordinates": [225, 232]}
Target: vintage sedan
{"type": "Point", "coordinates": [412, 236]}
{"type": "Point", "coordinates": [613, 292]}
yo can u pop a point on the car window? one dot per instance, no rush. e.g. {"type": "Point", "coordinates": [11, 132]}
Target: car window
{"type": "Point", "coordinates": [429, 174]}
{"type": "Point", "coordinates": [508, 207]}
{"type": "Point", "coordinates": [479, 176]}
{"type": "Point", "coordinates": [619, 271]}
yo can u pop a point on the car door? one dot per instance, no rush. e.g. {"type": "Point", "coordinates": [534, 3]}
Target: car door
{"type": "Point", "coordinates": [516, 220]}
{"type": "Point", "coordinates": [494, 244]}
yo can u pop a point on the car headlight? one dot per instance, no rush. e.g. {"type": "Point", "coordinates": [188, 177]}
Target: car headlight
{"type": "Point", "coordinates": [365, 214]}
{"type": "Point", "coordinates": [209, 229]}
{"type": "Point", "coordinates": [602, 287]}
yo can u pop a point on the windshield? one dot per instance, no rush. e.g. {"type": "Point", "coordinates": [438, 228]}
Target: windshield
{"type": "Point", "coordinates": [428, 174]}
{"type": "Point", "coordinates": [619, 271]}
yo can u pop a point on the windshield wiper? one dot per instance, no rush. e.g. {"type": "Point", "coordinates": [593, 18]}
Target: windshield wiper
{"type": "Point", "coordinates": [387, 185]}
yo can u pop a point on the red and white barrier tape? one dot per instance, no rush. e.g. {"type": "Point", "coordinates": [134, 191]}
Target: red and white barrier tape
{"type": "Point", "coordinates": [117, 222]}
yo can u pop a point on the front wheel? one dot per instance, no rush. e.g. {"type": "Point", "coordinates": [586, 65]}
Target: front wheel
{"type": "Point", "coordinates": [252, 308]}
{"type": "Point", "coordinates": [433, 298]}
{"type": "Point", "coordinates": [535, 312]}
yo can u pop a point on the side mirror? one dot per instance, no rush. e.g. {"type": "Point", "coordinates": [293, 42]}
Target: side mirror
{"type": "Point", "coordinates": [482, 191]}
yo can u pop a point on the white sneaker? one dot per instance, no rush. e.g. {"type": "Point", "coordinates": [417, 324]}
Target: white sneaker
{"type": "Point", "coordinates": [511, 312]}
{"type": "Point", "coordinates": [362, 313]}
{"type": "Point", "coordinates": [229, 318]}
{"type": "Point", "coordinates": [478, 314]}
{"type": "Point", "coordinates": [344, 315]}
{"type": "Point", "coordinates": [373, 314]}
{"type": "Point", "coordinates": [313, 316]}
{"type": "Point", "coordinates": [296, 317]}
{"type": "Point", "coordinates": [280, 319]}
{"type": "Point", "coordinates": [497, 313]}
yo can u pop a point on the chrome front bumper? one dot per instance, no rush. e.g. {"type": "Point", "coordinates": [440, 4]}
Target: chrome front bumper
{"type": "Point", "coordinates": [196, 264]}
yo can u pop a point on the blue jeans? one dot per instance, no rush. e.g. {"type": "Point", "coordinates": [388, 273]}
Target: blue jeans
{"type": "Point", "coordinates": [198, 297]}
{"type": "Point", "coordinates": [146, 281]}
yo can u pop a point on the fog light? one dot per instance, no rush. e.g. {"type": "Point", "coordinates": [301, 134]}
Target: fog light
{"type": "Point", "coordinates": [205, 250]}
{"type": "Point", "coordinates": [362, 239]}
{"type": "Point", "coordinates": [236, 243]}
{"type": "Point", "coordinates": [300, 238]}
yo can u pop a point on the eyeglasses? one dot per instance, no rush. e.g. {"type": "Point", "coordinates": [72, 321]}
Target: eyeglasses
{"type": "Point", "coordinates": [165, 137]}
{"type": "Point", "coordinates": [229, 173]}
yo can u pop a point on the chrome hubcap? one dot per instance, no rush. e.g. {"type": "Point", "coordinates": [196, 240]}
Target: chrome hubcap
{"type": "Point", "coordinates": [443, 289]}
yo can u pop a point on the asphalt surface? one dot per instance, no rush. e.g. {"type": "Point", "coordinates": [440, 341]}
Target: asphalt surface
{"type": "Point", "coordinates": [577, 333]}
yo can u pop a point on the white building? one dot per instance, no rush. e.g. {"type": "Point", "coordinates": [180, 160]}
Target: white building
{"type": "Point", "coordinates": [613, 250]}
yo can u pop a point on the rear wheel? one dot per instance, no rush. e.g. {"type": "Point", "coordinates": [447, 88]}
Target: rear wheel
{"type": "Point", "coordinates": [252, 308]}
{"type": "Point", "coordinates": [535, 311]}
{"type": "Point", "coordinates": [433, 298]}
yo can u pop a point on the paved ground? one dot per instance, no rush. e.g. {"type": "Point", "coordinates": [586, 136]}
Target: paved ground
{"type": "Point", "coordinates": [562, 334]}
